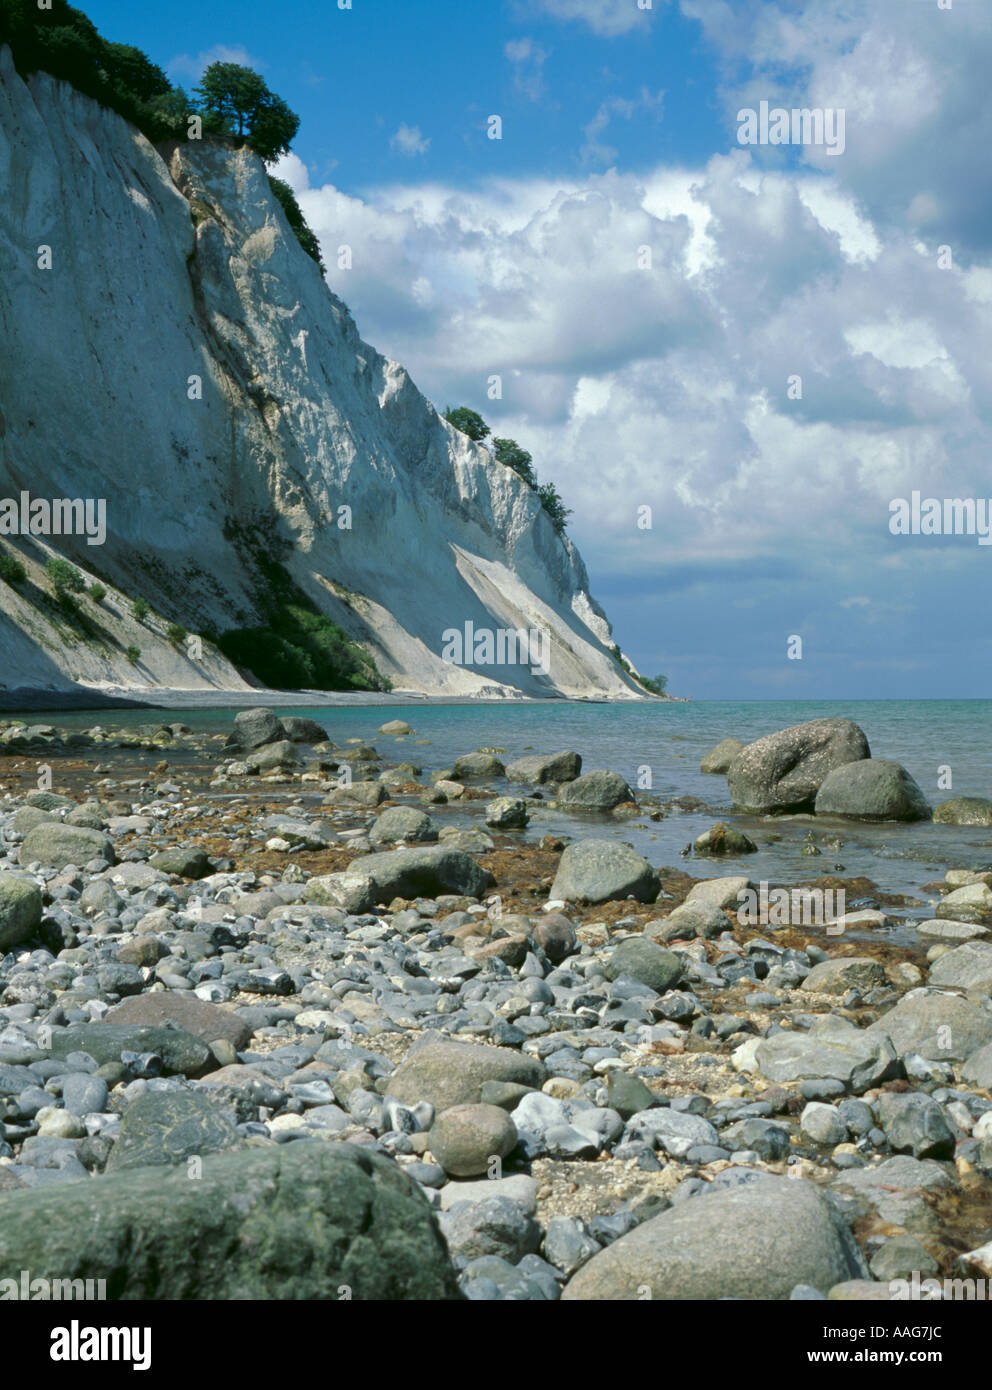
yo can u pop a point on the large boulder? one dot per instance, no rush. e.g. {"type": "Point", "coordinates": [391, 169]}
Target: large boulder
{"type": "Point", "coordinates": [898, 1188]}
{"type": "Point", "coordinates": [598, 871]}
{"type": "Point", "coordinates": [545, 767]}
{"type": "Point", "coordinates": [396, 728]}
{"type": "Point", "coordinates": [254, 727]}
{"type": "Point", "coordinates": [690, 920]}
{"type": "Point", "coordinates": [421, 872]}
{"type": "Point", "coordinates": [297, 1222]}
{"type": "Point", "coordinates": [595, 791]}
{"type": "Point", "coordinates": [27, 817]}
{"type": "Point", "coordinates": [402, 823]}
{"type": "Point", "coordinates": [718, 759]}
{"type": "Point", "coordinates": [453, 1073]}
{"type": "Point", "coordinates": [966, 967]}
{"type": "Point", "coordinates": [872, 789]}
{"type": "Point", "coordinates": [20, 910]}
{"type": "Point", "coordinates": [755, 1241]}
{"type": "Point", "coordinates": [832, 1050]}
{"type": "Point", "coordinates": [938, 1026]}
{"type": "Point", "coordinates": [782, 772]}
{"type": "Point", "coordinates": [183, 1008]}
{"type": "Point", "coordinates": [55, 846]}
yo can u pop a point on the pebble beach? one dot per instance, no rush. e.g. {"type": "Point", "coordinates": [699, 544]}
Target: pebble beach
{"type": "Point", "coordinates": [365, 1026]}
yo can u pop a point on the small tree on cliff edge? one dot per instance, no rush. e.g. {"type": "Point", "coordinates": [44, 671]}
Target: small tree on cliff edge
{"type": "Point", "coordinates": [470, 422]}
{"type": "Point", "coordinates": [238, 102]}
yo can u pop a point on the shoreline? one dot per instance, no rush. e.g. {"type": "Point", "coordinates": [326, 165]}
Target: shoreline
{"type": "Point", "coordinates": [24, 700]}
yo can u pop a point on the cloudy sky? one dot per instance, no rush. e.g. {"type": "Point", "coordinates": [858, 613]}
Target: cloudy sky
{"type": "Point", "coordinates": [666, 378]}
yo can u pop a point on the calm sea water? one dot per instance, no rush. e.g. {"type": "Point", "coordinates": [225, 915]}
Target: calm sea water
{"type": "Point", "coordinates": [669, 740]}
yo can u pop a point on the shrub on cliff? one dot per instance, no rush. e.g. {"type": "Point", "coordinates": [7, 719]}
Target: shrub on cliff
{"type": "Point", "coordinates": [66, 580]}
{"type": "Point", "coordinates": [302, 650]}
{"type": "Point", "coordinates": [11, 570]}
{"type": "Point", "coordinates": [286, 199]}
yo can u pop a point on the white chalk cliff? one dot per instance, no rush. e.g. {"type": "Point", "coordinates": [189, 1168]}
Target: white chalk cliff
{"type": "Point", "coordinates": [176, 262]}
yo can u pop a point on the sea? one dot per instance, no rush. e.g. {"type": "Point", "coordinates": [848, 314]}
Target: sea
{"type": "Point", "coordinates": [945, 744]}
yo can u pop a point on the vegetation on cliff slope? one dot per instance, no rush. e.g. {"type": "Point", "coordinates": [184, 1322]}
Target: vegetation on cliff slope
{"type": "Point", "coordinates": [231, 101]}
{"type": "Point", "coordinates": [509, 453]}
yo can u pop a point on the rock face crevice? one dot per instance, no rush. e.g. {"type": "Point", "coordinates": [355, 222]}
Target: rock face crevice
{"type": "Point", "coordinates": [176, 263]}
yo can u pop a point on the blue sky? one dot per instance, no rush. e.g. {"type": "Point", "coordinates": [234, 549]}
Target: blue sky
{"type": "Point", "coordinates": [866, 275]}
{"type": "Point", "coordinates": [441, 66]}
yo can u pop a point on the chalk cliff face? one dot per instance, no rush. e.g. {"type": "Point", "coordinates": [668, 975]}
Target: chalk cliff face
{"type": "Point", "coordinates": [184, 359]}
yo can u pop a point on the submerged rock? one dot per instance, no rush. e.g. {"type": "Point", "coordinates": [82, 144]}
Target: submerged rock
{"type": "Point", "coordinates": [964, 810]}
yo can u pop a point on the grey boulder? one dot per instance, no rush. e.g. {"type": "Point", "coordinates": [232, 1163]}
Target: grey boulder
{"type": "Point", "coordinates": [55, 846]}
{"type": "Point", "coordinates": [965, 967]}
{"type": "Point", "coordinates": [595, 791]}
{"type": "Point", "coordinates": [545, 767]}
{"type": "Point", "coordinates": [645, 961]}
{"type": "Point", "coordinates": [782, 772]}
{"type": "Point", "coordinates": [402, 823]}
{"type": "Point", "coordinates": [453, 1073]}
{"type": "Point", "coordinates": [421, 872]}
{"type": "Point", "coordinates": [305, 1221]}
{"type": "Point", "coordinates": [20, 910]}
{"type": "Point", "coordinates": [254, 727]}
{"type": "Point", "coordinates": [718, 759]}
{"type": "Point", "coordinates": [596, 871]}
{"type": "Point", "coordinates": [756, 1241]}
{"type": "Point", "coordinates": [846, 972]}
{"type": "Point", "coordinates": [872, 789]}
{"type": "Point", "coordinates": [477, 767]}
{"type": "Point", "coordinates": [303, 730]}
{"type": "Point", "coordinates": [167, 1127]}
{"type": "Point", "coordinates": [964, 810]}
{"type": "Point", "coordinates": [938, 1026]}
{"type": "Point", "coordinates": [915, 1124]}
{"type": "Point", "coordinates": [832, 1049]}
{"type": "Point", "coordinates": [507, 813]}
